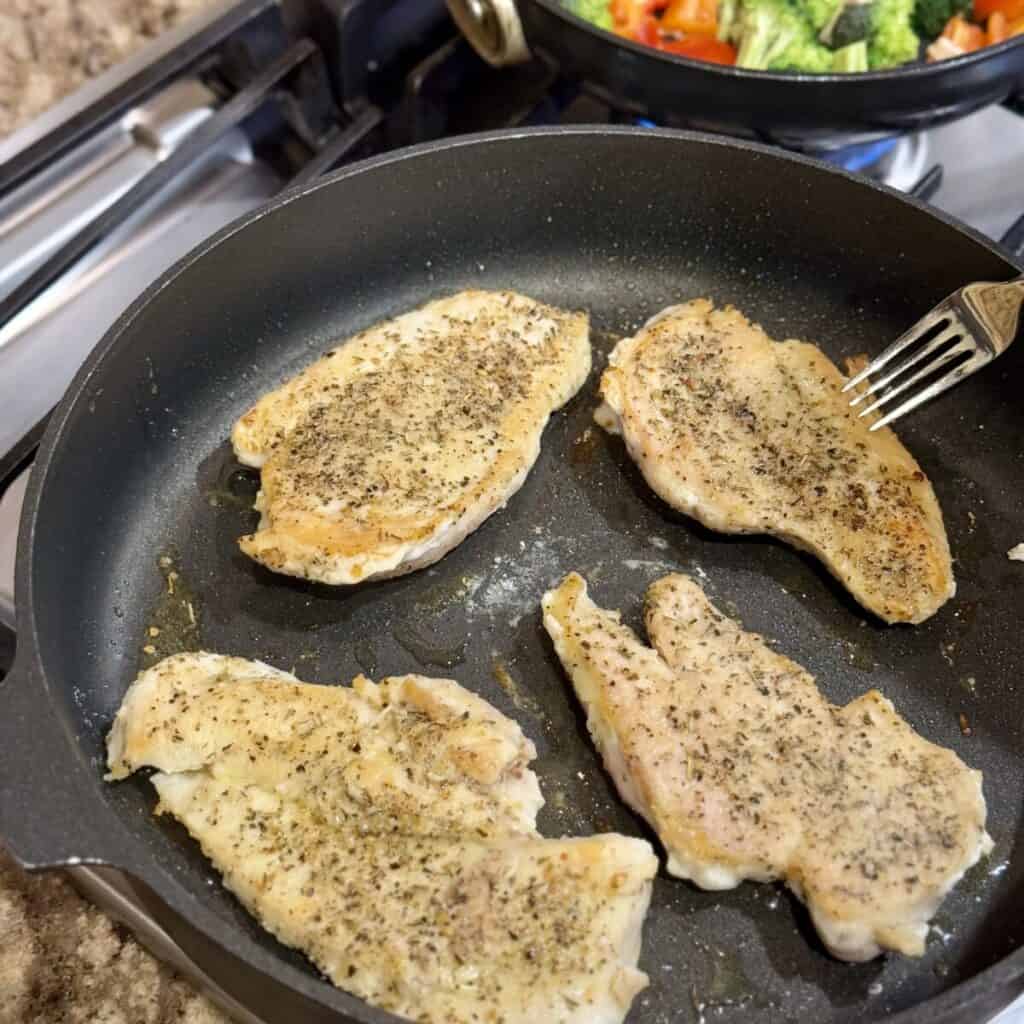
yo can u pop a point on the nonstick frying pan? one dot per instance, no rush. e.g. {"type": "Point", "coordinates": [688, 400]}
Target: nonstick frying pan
{"type": "Point", "coordinates": [136, 476]}
{"type": "Point", "coordinates": [815, 113]}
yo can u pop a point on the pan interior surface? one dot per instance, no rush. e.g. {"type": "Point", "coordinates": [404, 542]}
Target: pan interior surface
{"type": "Point", "coordinates": [142, 485]}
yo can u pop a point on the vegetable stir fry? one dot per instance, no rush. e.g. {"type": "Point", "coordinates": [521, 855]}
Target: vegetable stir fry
{"type": "Point", "coordinates": [809, 35]}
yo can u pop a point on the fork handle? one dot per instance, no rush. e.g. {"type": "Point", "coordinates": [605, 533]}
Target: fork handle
{"type": "Point", "coordinates": [997, 305]}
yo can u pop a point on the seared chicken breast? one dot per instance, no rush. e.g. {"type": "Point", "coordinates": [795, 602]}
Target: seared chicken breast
{"type": "Point", "coordinates": [387, 830]}
{"type": "Point", "coordinates": [425, 752]}
{"type": "Point", "coordinates": [383, 455]}
{"type": "Point", "coordinates": [750, 435]}
{"type": "Point", "coordinates": [746, 771]}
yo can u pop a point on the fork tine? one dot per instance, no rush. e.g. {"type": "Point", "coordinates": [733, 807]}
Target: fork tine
{"type": "Point", "coordinates": [937, 342]}
{"type": "Point", "coordinates": [939, 361]}
{"type": "Point", "coordinates": [926, 323]}
{"type": "Point", "coordinates": [944, 383]}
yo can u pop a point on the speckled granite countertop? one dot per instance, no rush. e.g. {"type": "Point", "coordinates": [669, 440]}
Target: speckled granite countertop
{"type": "Point", "coordinates": [50, 47]}
{"type": "Point", "coordinates": [63, 962]}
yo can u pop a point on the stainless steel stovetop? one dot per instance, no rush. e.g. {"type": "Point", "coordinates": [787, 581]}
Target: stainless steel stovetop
{"type": "Point", "coordinates": [982, 184]}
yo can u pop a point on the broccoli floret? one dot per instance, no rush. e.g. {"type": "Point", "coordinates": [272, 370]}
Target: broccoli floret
{"type": "Point", "coordinates": [892, 40]}
{"type": "Point", "coordinates": [776, 36]}
{"type": "Point", "coordinates": [597, 12]}
{"type": "Point", "coordinates": [819, 12]}
{"type": "Point", "coordinates": [806, 54]}
{"type": "Point", "coordinates": [766, 29]}
{"type": "Point", "coordinates": [930, 16]}
{"type": "Point", "coordinates": [729, 23]}
{"type": "Point", "coordinates": [851, 58]}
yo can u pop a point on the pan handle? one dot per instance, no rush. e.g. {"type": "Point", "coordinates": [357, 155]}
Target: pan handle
{"type": "Point", "coordinates": [50, 813]}
{"type": "Point", "coordinates": [493, 29]}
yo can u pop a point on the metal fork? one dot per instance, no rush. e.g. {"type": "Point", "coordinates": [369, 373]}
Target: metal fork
{"type": "Point", "coordinates": [979, 321]}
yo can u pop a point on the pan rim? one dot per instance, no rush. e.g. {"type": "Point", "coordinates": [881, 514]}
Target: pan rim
{"type": "Point", "coordinates": [177, 896]}
{"type": "Point", "coordinates": [913, 71]}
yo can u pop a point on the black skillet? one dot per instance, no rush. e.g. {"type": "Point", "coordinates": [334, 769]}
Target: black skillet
{"type": "Point", "coordinates": [800, 111]}
{"type": "Point", "coordinates": [135, 468]}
